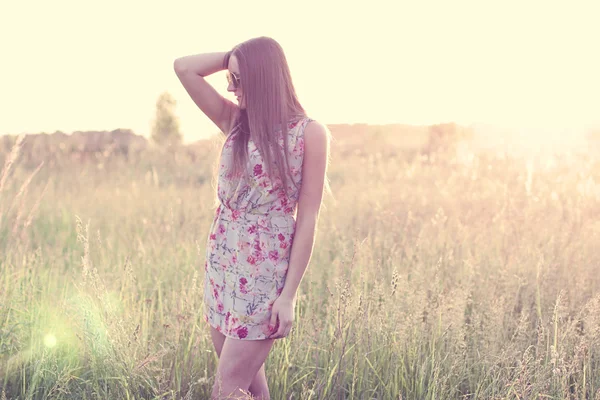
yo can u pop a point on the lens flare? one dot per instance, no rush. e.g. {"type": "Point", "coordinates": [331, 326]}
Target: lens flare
{"type": "Point", "coordinates": [50, 340]}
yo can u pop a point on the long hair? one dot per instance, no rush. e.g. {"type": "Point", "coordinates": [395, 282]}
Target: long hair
{"type": "Point", "coordinates": [271, 103]}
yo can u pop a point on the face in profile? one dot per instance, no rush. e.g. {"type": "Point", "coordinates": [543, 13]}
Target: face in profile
{"type": "Point", "coordinates": [234, 81]}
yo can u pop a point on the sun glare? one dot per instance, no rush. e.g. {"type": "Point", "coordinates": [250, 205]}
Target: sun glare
{"type": "Point", "coordinates": [459, 63]}
{"type": "Point", "coordinates": [50, 340]}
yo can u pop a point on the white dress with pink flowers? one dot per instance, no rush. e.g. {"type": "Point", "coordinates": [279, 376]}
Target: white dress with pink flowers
{"type": "Point", "coordinates": [250, 239]}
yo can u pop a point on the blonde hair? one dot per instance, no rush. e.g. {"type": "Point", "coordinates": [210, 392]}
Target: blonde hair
{"type": "Point", "coordinates": [271, 103]}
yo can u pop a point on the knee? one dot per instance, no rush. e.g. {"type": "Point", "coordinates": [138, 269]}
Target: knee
{"type": "Point", "coordinates": [227, 389]}
{"type": "Point", "coordinates": [233, 376]}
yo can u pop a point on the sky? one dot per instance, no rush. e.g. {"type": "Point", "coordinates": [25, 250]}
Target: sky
{"type": "Point", "coordinates": [88, 65]}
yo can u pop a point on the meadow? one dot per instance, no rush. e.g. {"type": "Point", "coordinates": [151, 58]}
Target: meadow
{"type": "Point", "coordinates": [434, 276]}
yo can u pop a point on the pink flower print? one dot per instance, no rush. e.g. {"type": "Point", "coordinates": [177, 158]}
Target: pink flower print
{"type": "Point", "coordinates": [221, 228]}
{"type": "Point", "coordinates": [242, 332]}
{"type": "Point", "coordinates": [243, 289]}
{"type": "Point", "coordinates": [259, 257]}
{"type": "Point", "coordinates": [252, 229]}
{"type": "Point", "coordinates": [216, 293]}
{"type": "Point", "coordinates": [234, 259]}
{"type": "Point", "coordinates": [220, 307]}
{"type": "Point", "coordinates": [257, 246]}
{"type": "Point", "coordinates": [281, 237]}
{"type": "Point", "coordinates": [236, 215]}
{"type": "Point", "coordinates": [258, 170]}
{"type": "Point", "coordinates": [283, 245]}
{"type": "Point", "coordinates": [273, 255]}
{"type": "Point", "coordinates": [243, 280]}
{"type": "Point", "coordinates": [251, 259]}
{"type": "Point", "coordinates": [213, 236]}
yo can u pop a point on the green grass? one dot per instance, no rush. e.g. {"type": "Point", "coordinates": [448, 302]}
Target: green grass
{"type": "Point", "coordinates": [474, 278]}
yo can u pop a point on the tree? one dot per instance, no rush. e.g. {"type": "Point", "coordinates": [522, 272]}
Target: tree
{"type": "Point", "coordinates": [165, 130]}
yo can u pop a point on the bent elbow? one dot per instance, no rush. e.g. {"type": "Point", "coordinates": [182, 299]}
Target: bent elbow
{"type": "Point", "coordinates": [178, 66]}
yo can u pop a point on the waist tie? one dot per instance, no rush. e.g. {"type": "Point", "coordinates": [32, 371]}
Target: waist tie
{"type": "Point", "coordinates": [273, 221]}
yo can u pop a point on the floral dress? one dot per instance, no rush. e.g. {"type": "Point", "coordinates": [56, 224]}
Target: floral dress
{"type": "Point", "coordinates": [250, 239]}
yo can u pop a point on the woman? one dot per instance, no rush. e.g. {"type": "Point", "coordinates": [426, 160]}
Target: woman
{"type": "Point", "coordinates": [272, 172]}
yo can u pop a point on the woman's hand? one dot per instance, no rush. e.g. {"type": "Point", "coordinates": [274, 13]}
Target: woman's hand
{"type": "Point", "coordinates": [282, 310]}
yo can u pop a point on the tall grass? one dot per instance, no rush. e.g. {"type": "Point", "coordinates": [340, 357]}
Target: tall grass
{"type": "Point", "coordinates": [443, 278]}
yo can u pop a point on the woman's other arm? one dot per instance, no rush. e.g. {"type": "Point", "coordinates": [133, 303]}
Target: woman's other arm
{"type": "Point", "coordinates": [314, 169]}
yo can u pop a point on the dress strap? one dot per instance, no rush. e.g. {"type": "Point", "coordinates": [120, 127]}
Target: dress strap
{"type": "Point", "coordinates": [303, 124]}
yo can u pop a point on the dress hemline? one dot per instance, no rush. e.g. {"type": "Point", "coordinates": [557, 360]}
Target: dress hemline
{"type": "Point", "coordinates": [206, 320]}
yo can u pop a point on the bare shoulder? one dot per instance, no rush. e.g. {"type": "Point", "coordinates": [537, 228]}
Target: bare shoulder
{"type": "Point", "coordinates": [314, 170]}
{"type": "Point", "coordinates": [316, 136]}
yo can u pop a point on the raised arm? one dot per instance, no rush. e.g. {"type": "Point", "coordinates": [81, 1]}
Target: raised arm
{"type": "Point", "coordinates": [191, 71]}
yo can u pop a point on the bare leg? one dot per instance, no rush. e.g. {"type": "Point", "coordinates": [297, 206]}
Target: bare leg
{"type": "Point", "coordinates": [259, 386]}
{"type": "Point", "coordinates": [239, 363]}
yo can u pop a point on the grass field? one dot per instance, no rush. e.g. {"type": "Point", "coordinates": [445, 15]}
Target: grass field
{"type": "Point", "coordinates": [474, 277]}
